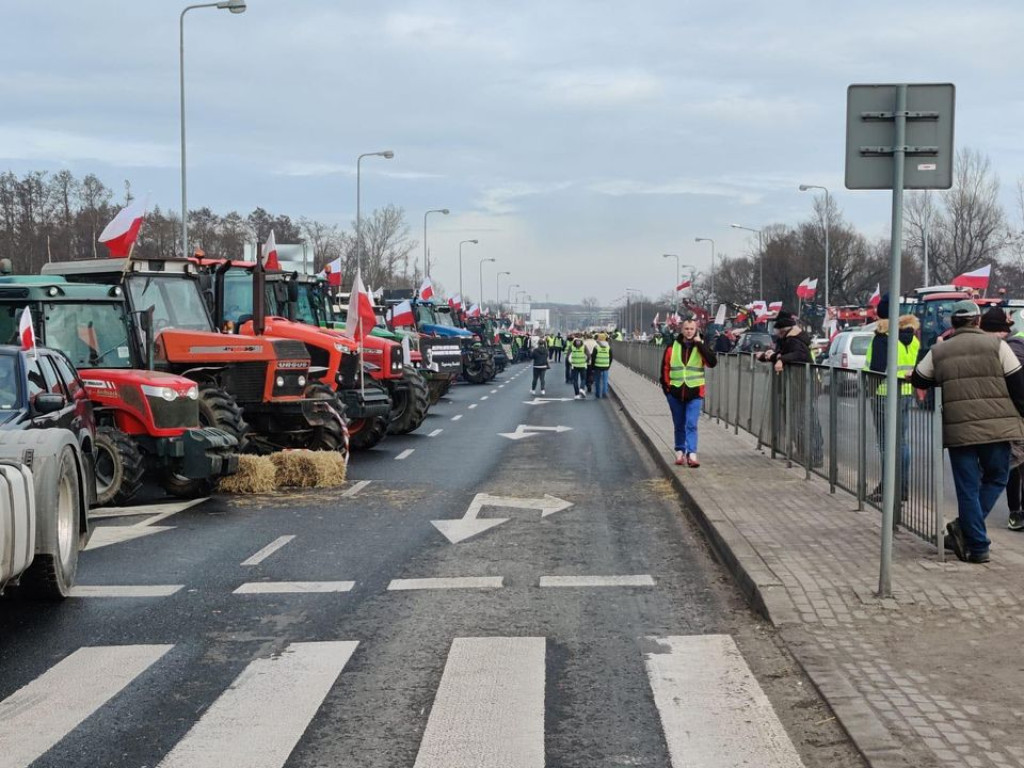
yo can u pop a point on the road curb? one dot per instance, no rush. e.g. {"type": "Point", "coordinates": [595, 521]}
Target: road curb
{"type": "Point", "coordinates": [767, 595]}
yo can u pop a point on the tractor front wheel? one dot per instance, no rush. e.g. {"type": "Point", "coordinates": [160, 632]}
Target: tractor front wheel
{"type": "Point", "coordinates": [220, 410]}
{"type": "Point", "coordinates": [410, 403]}
{"type": "Point", "coordinates": [119, 467]}
{"type": "Point", "coordinates": [364, 434]}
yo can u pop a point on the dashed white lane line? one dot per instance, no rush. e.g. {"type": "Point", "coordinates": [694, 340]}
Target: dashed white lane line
{"type": "Point", "coordinates": [642, 580]}
{"type": "Point", "coordinates": [404, 454]}
{"type": "Point", "coordinates": [258, 721]}
{"type": "Point", "coordinates": [489, 708]}
{"type": "Point", "coordinates": [485, 397]}
{"type": "Point", "coordinates": [268, 550]}
{"type": "Point", "coordinates": [436, 432]}
{"type": "Point", "coordinates": [355, 489]}
{"type": "Point", "coordinates": [456, 418]}
{"type": "Point", "coordinates": [293, 587]}
{"type": "Point", "coordinates": [46, 710]}
{"type": "Point", "coordinates": [495, 391]}
{"type": "Point", "coordinates": [452, 582]}
{"type": "Point", "coordinates": [128, 590]}
{"type": "Point", "coordinates": [472, 406]}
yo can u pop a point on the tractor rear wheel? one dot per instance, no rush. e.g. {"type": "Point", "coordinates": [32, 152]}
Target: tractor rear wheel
{"type": "Point", "coordinates": [364, 434]}
{"type": "Point", "coordinates": [410, 403]}
{"type": "Point", "coordinates": [119, 467]}
{"type": "Point", "coordinates": [220, 410]}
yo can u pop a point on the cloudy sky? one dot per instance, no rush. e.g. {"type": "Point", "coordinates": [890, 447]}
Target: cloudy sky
{"type": "Point", "coordinates": [578, 141]}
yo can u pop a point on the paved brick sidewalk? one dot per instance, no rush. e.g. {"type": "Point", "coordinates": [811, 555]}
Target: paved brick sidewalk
{"type": "Point", "coordinates": [933, 677]}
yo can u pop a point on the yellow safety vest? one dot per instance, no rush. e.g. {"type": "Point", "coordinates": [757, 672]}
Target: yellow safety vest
{"type": "Point", "coordinates": [690, 373]}
{"type": "Point", "coordinates": [578, 356]}
{"type": "Point", "coordinates": [904, 365]}
{"type": "Point", "coordinates": [618, 336]}
{"type": "Point", "coordinates": [602, 355]}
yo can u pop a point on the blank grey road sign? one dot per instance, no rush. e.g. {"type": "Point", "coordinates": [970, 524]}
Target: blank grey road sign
{"type": "Point", "coordinates": [870, 136]}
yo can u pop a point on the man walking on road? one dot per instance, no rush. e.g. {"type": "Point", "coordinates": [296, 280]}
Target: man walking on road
{"type": "Point", "coordinates": [683, 382]}
{"type": "Point", "coordinates": [577, 360]}
{"type": "Point", "coordinates": [982, 402]}
{"type": "Point", "coordinates": [601, 361]}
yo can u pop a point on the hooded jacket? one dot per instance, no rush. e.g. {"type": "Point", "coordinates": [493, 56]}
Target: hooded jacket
{"type": "Point", "coordinates": [878, 354]}
{"type": "Point", "coordinates": [794, 347]}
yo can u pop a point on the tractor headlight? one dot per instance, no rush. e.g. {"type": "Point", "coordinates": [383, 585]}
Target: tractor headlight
{"type": "Point", "coordinates": [167, 393]}
{"type": "Point", "coordinates": [302, 381]}
{"type": "Point", "coordinates": [193, 393]}
{"type": "Point", "coordinates": [279, 381]}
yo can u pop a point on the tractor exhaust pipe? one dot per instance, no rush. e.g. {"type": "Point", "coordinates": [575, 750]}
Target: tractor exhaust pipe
{"type": "Point", "coordinates": [259, 297]}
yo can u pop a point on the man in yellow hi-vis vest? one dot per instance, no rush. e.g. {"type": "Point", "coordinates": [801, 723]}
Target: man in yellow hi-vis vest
{"type": "Point", "coordinates": [909, 349]}
{"type": "Point", "coordinates": [683, 382]}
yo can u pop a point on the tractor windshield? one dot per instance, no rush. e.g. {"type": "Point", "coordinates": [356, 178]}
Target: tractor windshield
{"type": "Point", "coordinates": [238, 297]}
{"type": "Point", "coordinates": [444, 317]}
{"type": "Point", "coordinates": [310, 303]}
{"type": "Point", "coordinates": [92, 334]}
{"type": "Point", "coordinates": [176, 301]}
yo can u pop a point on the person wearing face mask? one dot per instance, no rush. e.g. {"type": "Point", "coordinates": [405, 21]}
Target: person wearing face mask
{"type": "Point", "coordinates": [683, 382]}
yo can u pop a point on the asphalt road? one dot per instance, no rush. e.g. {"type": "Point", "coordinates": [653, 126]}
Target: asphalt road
{"type": "Point", "coordinates": [599, 633]}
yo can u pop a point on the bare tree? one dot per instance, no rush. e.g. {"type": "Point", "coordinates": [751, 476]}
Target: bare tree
{"type": "Point", "coordinates": [386, 245]}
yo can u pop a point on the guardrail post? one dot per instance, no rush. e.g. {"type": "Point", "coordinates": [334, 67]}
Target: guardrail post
{"type": "Point", "coordinates": [750, 417]}
{"type": "Point", "coordinates": [897, 500]}
{"type": "Point", "coordinates": [862, 449]}
{"type": "Point", "coordinates": [739, 392]}
{"type": "Point", "coordinates": [833, 429]}
{"type": "Point", "coordinates": [938, 468]}
{"type": "Point", "coordinates": [789, 417]}
{"type": "Point", "coordinates": [808, 420]}
{"type": "Point", "coordinates": [723, 364]}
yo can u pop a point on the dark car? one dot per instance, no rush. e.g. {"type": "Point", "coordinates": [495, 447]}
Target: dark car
{"type": "Point", "coordinates": [40, 389]}
{"type": "Point", "coordinates": [753, 342]}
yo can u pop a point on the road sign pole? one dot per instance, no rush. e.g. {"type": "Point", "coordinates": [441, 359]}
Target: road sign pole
{"type": "Point", "coordinates": [892, 392]}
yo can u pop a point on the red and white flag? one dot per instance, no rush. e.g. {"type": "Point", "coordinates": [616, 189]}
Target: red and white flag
{"type": "Point", "coordinates": [361, 317]}
{"type": "Point", "coordinates": [402, 314]}
{"type": "Point", "coordinates": [455, 302]}
{"type": "Point", "coordinates": [775, 306]}
{"type": "Point", "coordinates": [474, 311]}
{"type": "Point", "coordinates": [270, 253]}
{"type": "Point", "coordinates": [978, 279]}
{"type": "Point", "coordinates": [426, 290]}
{"type": "Point", "coordinates": [685, 285]}
{"type": "Point", "coordinates": [807, 288]}
{"type": "Point", "coordinates": [333, 273]}
{"type": "Point", "coordinates": [25, 330]}
{"type": "Point", "coordinates": [759, 307]}
{"type": "Point", "coordinates": [654, 322]}
{"type": "Point", "coordinates": [120, 234]}
{"type": "Point", "coordinates": [876, 297]}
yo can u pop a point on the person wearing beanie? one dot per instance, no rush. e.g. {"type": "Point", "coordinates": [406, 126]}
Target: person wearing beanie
{"type": "Point", "coordinates": [683, 382]}
{"type": "Point", "coordinates": [876, 361]}
{"type": "Point", "coordinates": [982, 407]}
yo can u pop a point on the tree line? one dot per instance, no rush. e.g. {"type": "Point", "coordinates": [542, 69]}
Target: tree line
{"type": "Point", "coordinates": [56, 216]}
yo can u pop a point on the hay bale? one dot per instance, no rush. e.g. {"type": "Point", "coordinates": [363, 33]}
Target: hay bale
{"type": "Point", "coordinates": [309, 469]}
{"type": "Point", "coordinates": [256, 474]}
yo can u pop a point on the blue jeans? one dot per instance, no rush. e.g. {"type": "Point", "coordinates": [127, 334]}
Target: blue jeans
{"type": "Point", "coordinates": [878, 412]}
{"type": "Point", "coordinates": [979, 474]}
{"type": "Point", "coordinates": [579, 379]}
{"type": "Point", "coordinates": [685, 417]}
{"type": "Point", "coordinates": [600, 382]}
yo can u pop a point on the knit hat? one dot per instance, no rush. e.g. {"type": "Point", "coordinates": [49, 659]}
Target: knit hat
{"type": "Point", "coordinates": [994, 320]}
{"type": "Point", "coordinates": [785, 319]}
{"type": "Point", "coordinates": [882, 310]}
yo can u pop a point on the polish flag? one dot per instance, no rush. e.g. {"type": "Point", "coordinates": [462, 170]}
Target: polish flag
{"type": "Point", "coordinates": [361, 317]}
{"type": "Point", "coordinates": [876, 297]}
{"type": "Point", "coordinates": [474, 311]}
{"type": "Point", "coordinates": [333, 273]}
{"type": "Point", "coordinates": [654, 322]}
{"type": "Point", "coordinates": [759, 307]}
{"type": "Point", "coordinates": [685, 285]}
{"type": "Point", "coordinates": [455, 302]}
{"type": "Point", "coordinates": [978, 279]}
{"type": "Point", "coordinates": [426, 290]}
{"type": "Point", "coordinates": [119, 235]}
{"type": "Point", "coordinates": [402, 314]}
{"type": "Point", "coordinates": [270, 253]}
{"type": "Point", "coordinates": [807, 288]}
{"type": "Point", "coordinates": [775, 306]}
{"type": "Point", "coordinates": [26, 331]}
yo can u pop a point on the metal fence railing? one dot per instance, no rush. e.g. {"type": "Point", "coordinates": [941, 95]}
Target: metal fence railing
{"type": "Point", "coordinates": [828, 421]}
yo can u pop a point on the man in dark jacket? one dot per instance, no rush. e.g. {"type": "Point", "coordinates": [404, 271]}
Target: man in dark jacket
{"type": "Point", "coordinates": [540, 366]}
{"type": "Point", "coordinates": [683, 382]}
{"type": "Point", "coordinates": [982, 402]}
{"type": "Point", "coordinates": [1015, 483]}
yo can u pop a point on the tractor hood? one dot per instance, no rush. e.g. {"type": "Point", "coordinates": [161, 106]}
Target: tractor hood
{"type": "Point", "coordinates": [444, 330]}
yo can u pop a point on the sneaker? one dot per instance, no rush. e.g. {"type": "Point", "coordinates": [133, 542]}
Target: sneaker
{"type": "Point", "coordinates": [532, 392]}
{"type": "Point", "coordinates": [578, 397]}
{"type": "Point", "coordinates": [1016, 521]}
{"type": "Point", "coordinates": [680, 460]}
{"type": "Point", "coordinates": [542, 391]}
{"type": "Point", "coordinates": [956, 540]}
{"type": "Point", "coordinates": [978, 557]}
{"type": "Point", "coordinates": [691, 460]}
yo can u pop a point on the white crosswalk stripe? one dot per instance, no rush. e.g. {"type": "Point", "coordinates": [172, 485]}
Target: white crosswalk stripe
{"type": "Point", "coordinates": [258, 721]}
{"type": "Point", "coordinates": [46, 710]}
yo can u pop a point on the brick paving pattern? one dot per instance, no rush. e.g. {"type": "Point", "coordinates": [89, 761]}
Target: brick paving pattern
{"type": "Point", "coordinates": [932, 676]}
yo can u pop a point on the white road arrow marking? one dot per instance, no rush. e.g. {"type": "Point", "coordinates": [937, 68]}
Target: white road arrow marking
{"type": "Point", "coordinates": [470, 525]}
{"type": "Point", "coordinates": [543, 400]}
{"type": "Point", "coordinates": [527, 430]}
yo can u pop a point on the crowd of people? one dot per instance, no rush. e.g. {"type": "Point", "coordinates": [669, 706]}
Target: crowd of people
{"type": "Point", "coordinates": [587, 359]}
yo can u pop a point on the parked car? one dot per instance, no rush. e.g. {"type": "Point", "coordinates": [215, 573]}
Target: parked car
{"type": "Point", "coordinates": [848, 350]}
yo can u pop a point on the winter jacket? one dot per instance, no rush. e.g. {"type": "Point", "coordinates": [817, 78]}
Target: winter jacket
{"type": "Point", "coordinates": [879, 352]}
{"type": "Point", "coordinates": [794, 347]}
{"type": "Point", "coordinates": [540, 357]}
{"type": "Point", "coordinates": [685, 393]}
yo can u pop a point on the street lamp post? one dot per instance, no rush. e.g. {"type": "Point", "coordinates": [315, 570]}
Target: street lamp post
{"type": "Point", "coordinates": [426, 263]}
{"type": "Point", "coordinates": [710, 240]}
{"type": "Point", "coordinates": [760, 255]}
{"type": "Point", "coordinates": [633, 326]}
{"type": "Point", "coordinates": [235, 6]}
{"type": "Point", "coordinates": [676, 257]}
{"type": "Point", "coordinates": [508, 299]}
{"type": "Point", "coordinates": [462, 296]}
{"type": "Point", "coordinates": [497, 294]}
{"type": "Point", "coordinates": [480, 301]}
{"type": "Point", "coordinates": [828, 222]}
{"type": "Point", "coordinates": [387, 155]}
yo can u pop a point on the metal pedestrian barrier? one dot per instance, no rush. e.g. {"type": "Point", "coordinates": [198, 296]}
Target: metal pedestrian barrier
{"type": "Point", "coordinates": [830, 421]}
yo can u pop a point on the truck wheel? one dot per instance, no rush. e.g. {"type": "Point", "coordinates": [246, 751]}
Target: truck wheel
{"type": "Point", "coordinates": [218, 409]}
{"type": "Point", "coordinates": [185, 487]}
{"type": "Point", "coordinates": [52, 576]}
{"type": "Point", "coordinates": [410, 403]}
{"type": "Point", "coordinates": [119, 467]}
{"type": "Point", "coordinates": [333, 436]}
{"type": "Point", "coordinates": [366, 433]}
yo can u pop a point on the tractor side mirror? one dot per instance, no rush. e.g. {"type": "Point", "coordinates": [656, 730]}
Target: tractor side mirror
{"type": "Point", "coordinates": [48, 402]}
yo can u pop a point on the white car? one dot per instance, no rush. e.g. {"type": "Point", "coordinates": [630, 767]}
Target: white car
{"type": "Point", "coordinates": [848, 350]}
